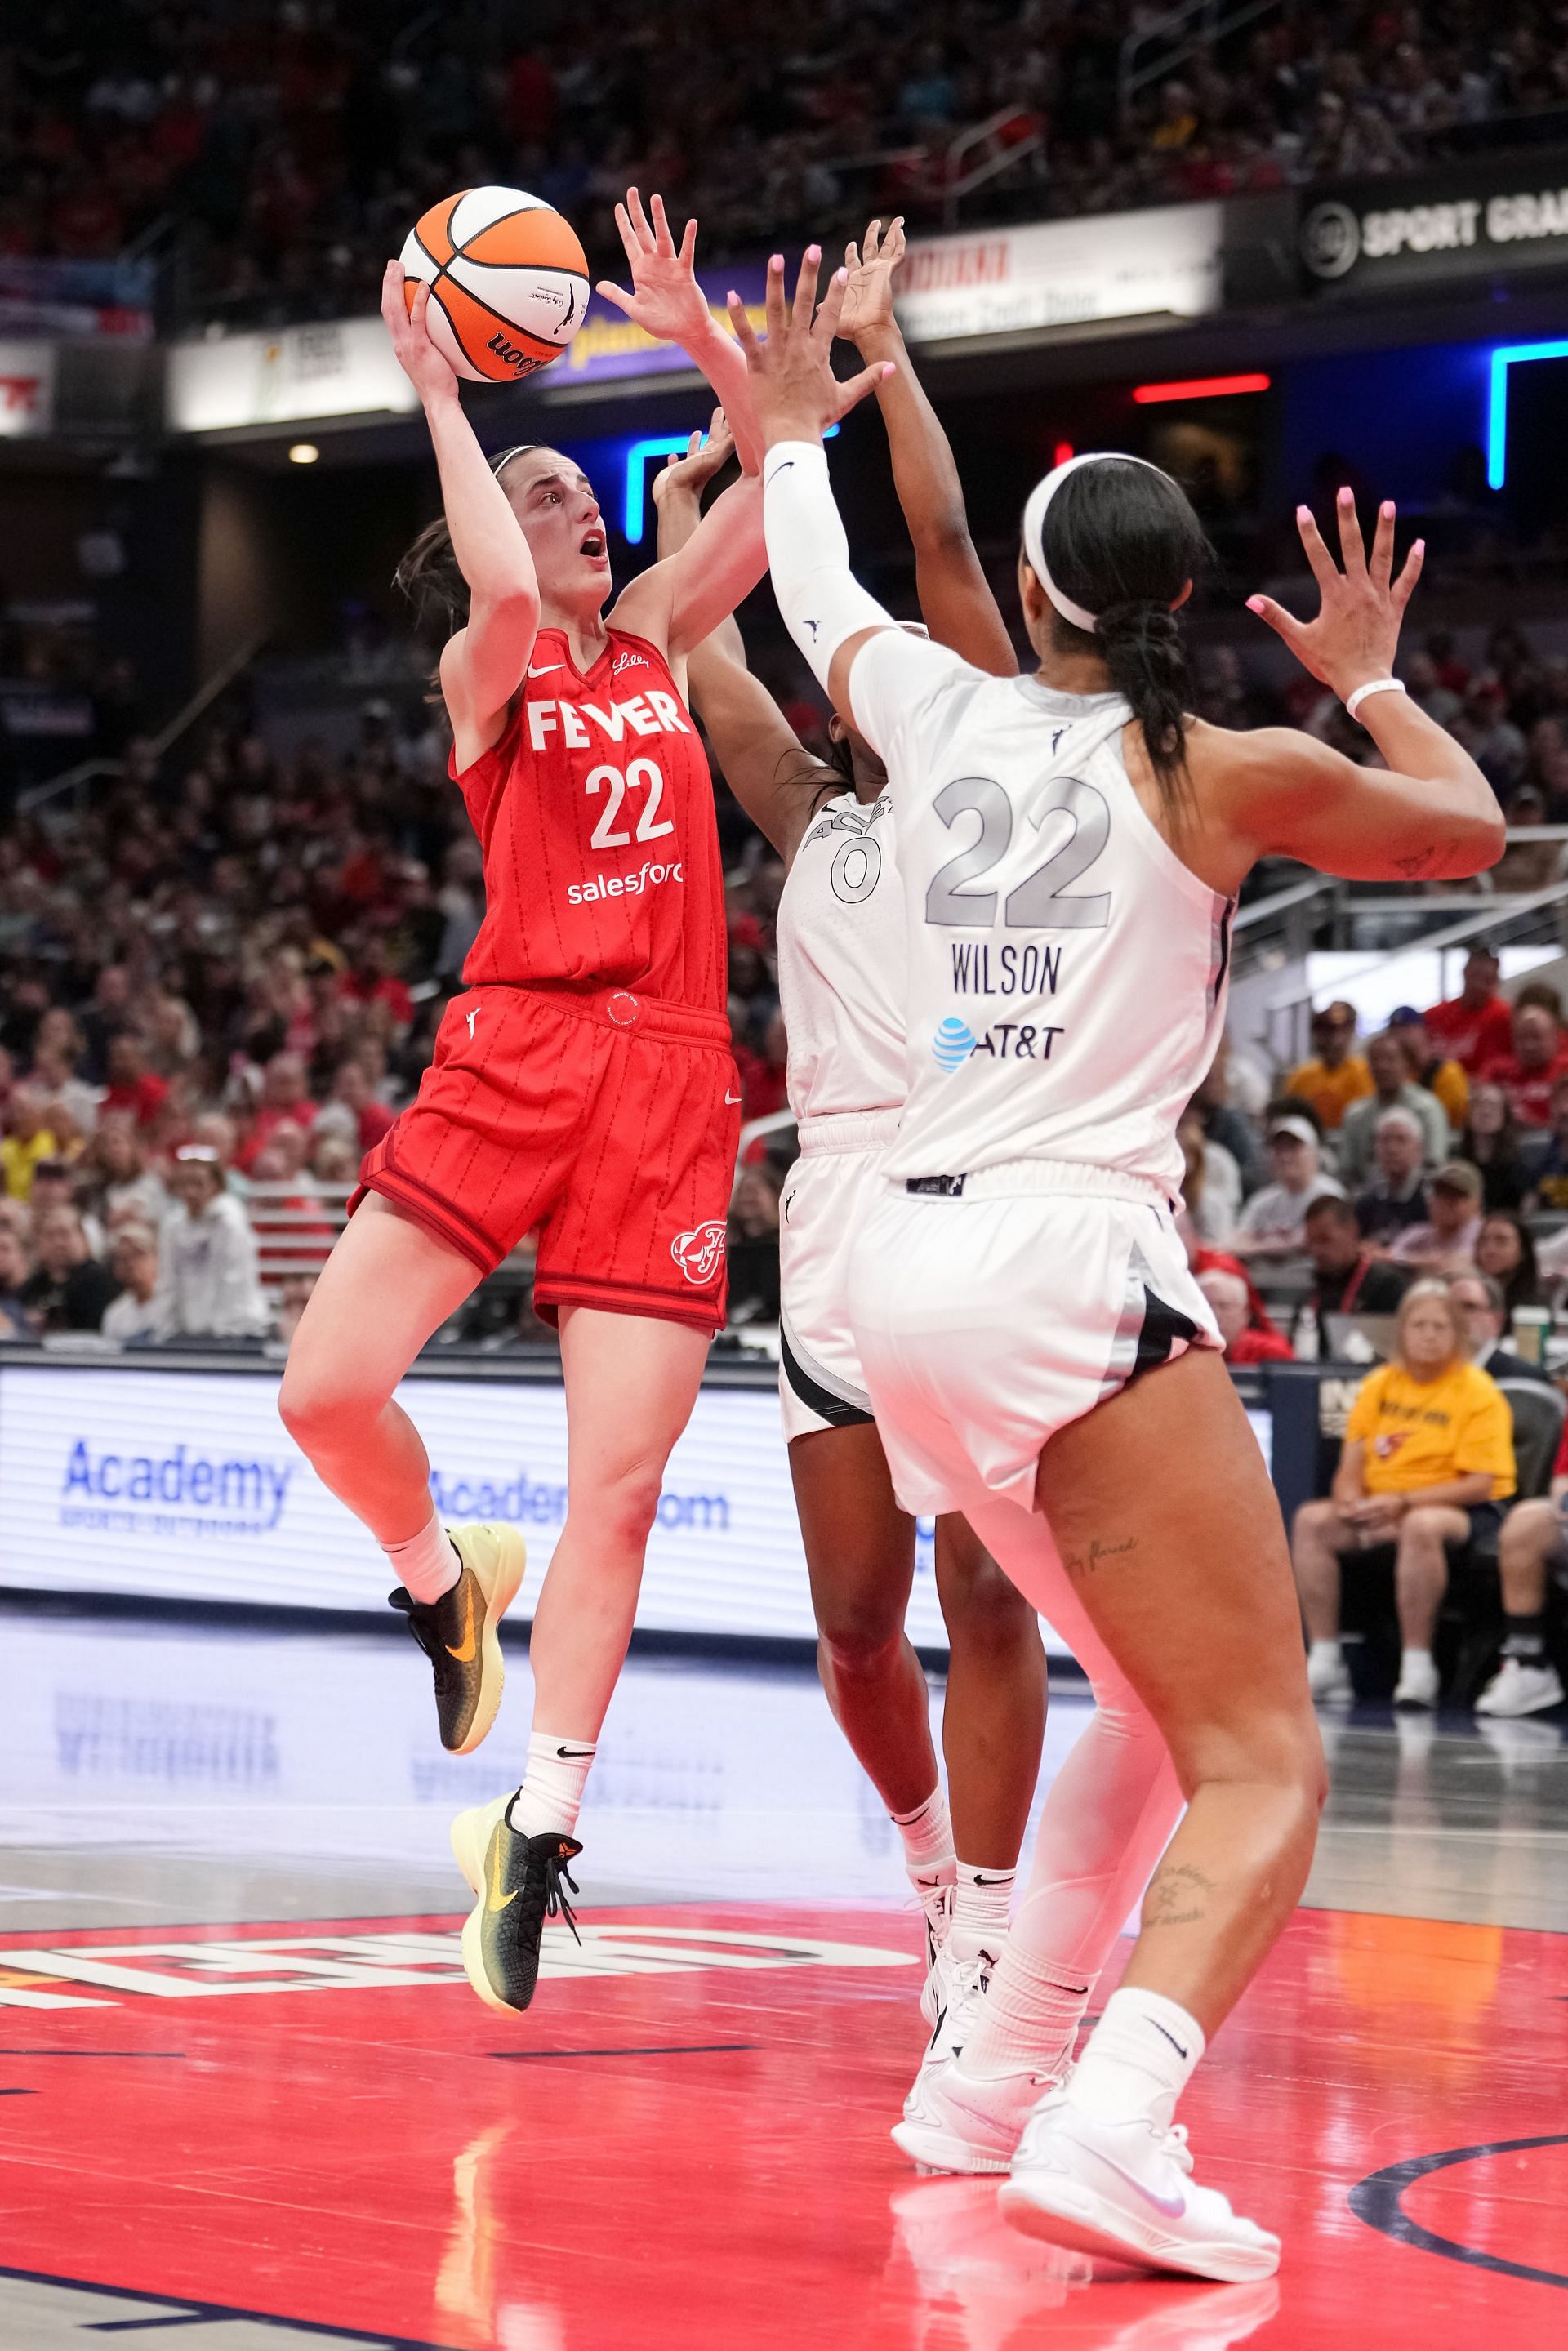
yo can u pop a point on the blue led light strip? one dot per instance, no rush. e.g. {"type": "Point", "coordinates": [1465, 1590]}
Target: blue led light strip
{"type": "Point", "coordinates": [635, 499]}
{"type": "Point", "coordinates": [1506, 356]}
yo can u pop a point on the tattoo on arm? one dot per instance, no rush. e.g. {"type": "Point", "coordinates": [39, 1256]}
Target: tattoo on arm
{"type": "Point", "coordinates": [1413, 867]}
{"type": "Point", "coordinates": [1176, 1896]}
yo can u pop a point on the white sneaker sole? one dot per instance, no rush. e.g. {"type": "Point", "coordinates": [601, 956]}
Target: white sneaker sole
{"type": "Point", "coordinates": [511, 1564]}
{"type": "Point", "coordinates": [930, 2148]}
{"type": "Point", "coordinates": [1544, 1705]}
{"type": "Point", "coordinates": [470, 1842]}
{"type": "Point", "coordinates": [1062, 2212]}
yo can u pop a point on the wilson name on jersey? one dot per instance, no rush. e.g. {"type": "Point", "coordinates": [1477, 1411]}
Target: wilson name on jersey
{"type": "Point", "coordinates": [595, 816]}
{"type": "Point", "coordinates": [1067, 971]}
{"type": "Point", "coordinates": [841, 962]}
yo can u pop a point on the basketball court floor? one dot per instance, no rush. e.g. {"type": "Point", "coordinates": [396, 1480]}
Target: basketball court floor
{"type": "Point", "coordinates": [248, 2102]}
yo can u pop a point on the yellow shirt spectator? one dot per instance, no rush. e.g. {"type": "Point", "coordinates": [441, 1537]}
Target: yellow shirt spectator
{"type": "Point", "coordinates": [1423, 1433]}
{"type": "Point", "coordinates": [19, 1155]}
{"type": "Point", "coordinates": [1331, 1091]}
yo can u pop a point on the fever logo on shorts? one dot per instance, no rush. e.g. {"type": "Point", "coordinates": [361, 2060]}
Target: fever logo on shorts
{"type": "Point", "coordinates": [952, 1043]}
{"type": "Point", "coordinates": [697, 1253]}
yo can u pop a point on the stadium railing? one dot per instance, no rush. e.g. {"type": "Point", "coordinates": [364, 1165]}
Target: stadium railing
{"type": "Point", "coordinates": [74, 785]}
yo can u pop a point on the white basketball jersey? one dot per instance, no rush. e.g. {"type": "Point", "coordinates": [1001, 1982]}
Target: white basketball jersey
{"type": "Point", "coordinates": [841, 959]}
{"type": "Point", "coordinates": [1066, 971]}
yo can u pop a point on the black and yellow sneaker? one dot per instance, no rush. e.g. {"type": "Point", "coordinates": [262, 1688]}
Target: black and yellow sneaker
{"type": "Point", "coordinates": [519, 1881]}
{"type": "Point", "coordinates": [459, 1633]}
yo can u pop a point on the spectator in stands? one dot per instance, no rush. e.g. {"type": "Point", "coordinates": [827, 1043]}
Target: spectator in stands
{"type": "Point", "coordinates": [1396, 1198]}
{"type": "Point", "coordinates": [1505, 1247]}
{"type": "Point", "coordinates": [1211, 1184]}
{"type": "Point", "coordinates": [754, 1243]}
{"type": "Point", "coordinates": [139, 1311]}
{"type": "Point", "coordinates": [294, 1296]}
{"type": "Point", "coordinates": [1447, 1240]}
{"type": "Point", "coordinates": [1487, 1317]}
{"type": "Point", "coordinates": [1392, 1090]}
{"type": "Point", "coordinates": [14, 1271]}
{"type": "Point", "coordinates": [1426, 1464]}
{"type": "Point", "coordinates": [1549, 1188]}
{"type": "Point", "coordinates": [133, 1087]}
{"type": "Point", "coordinates": [1491, 1142]}
{"type": "Point", "coordinates": [1477, 1025]}
{"type": "Point", "coordinates": [56, 1052]}
{"type": "Point", "coordinates": [1530, 1070]}
{"type": "Point", "coordinates": [210, 1287]}
{"type": "Point", "coordinates": [1273, 1222]}
{"type": "Point", "coordinates": [28, 1138]}
{"type": "Point", "coordinates": [1347, 1277]}
{"type": "Point", "coordinates": [1334, 1077]}
{"type": "Point", "coordinates": [1228, 1295]}
{"type": "Point", "coordinates": [1532, 1549]}
{"type": "Point", "coordinates": [352, 1110]}
{"type": "Point", "coordinates": [69, 1289]}
{"type": "Point", "coordinates": [1440, 1076]}
{"type": "Point", "coordinates": [1224, 1121]}
{"type": "Point", "coordinates": [115, 1177]}
{"type": "Point", "coordinates": [1526, 865]}
{"type": "Point", "coordinates": [284, 1102]}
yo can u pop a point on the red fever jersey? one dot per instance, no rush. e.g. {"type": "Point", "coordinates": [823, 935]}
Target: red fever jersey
{"type": "Point", "coordinates": [583, 1088]}
{"type": "Point", "coordinates": [595, 814]}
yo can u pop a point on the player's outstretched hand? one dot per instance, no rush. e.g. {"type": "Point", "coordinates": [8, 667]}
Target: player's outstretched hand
{"type": "Point", "coordinates": [868, 292]}
{"type": "Point", "coordinates": [792, 380]}
{"type": "Point", "coordinates": [665, 299]}
{"type": "Point", "coordinates": [432, 376]}
{"type": "Point", "coordinates": [1357, 633]}
{"type": "Point", "coordinates": [705, 455]}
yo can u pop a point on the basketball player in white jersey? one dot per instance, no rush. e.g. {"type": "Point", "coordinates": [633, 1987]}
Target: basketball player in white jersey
{"type": "Point", "coordinates": [842, 966]}
{"type": "Point", "coordinates": [1071, 845]}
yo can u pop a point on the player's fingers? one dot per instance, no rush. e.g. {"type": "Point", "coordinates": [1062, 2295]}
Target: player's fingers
{"type": "Point", "coordinates": [825, 325]}
{"type": "Point", "coordinates": [872, 240]}
{"type": "Point", "coordinates": [851, 255]}
{"type": "Point", "coordinates": [639, 218]}
{"type": "Point", "coordinates": [630, 244]}
{"type": "Point", "coordinates": [893, 242]}
{"type": "Point", "coordinates": [745, 333]}
{"type": "Point", "coordinates": [608, 291]}
{"type": "Point", "coordinates": [1382, 564]}
{"type": "Point", "coordinates": [853, 388]}
{"type": "Point", "coordinates": [394, 307]}
{"type": "Point", "coordinates": [717, 423]}
{"type": "Point", "coordinates": [806, 282]}
{"type": "Point", "coordinates": [1284, 624]}
{"type": "Point", "coordinates": [1325, 570]}
{"type": "Point", "coordinates": [663, 241]}
{"type": "Point", "coordinates": [1414, 564]}
{"type": "Point", "coordinates": [1352, 545]}
{"type": "Point", "coordinates": [688, 251]}
{"type": "Point", "coordinates": [773, 297]}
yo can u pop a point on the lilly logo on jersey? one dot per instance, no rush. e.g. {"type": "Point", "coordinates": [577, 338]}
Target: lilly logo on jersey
{"type": "Point", "coordinates": [952, 1043]}
{"type": "Point", "coordinates": [698, 1252]}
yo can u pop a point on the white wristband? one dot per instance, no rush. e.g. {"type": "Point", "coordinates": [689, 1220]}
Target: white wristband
{"type": "Point", "coordinates": [1378, 686]}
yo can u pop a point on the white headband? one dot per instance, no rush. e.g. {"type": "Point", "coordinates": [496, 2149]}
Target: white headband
{"type": "Point", "coordinates": [1039, 499]}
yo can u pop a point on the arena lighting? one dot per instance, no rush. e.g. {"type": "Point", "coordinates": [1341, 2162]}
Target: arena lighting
{"type": "Point", "coordinates": [303, 453]}
{"type": "Point", "coordinates": [1063, 454]}
{"type": "Point", "coordinates": [635, 499]}
{"type": "Point", "coordinates": [1506, 356]}
{"type": "Point", "coordinates": [1203, 387]}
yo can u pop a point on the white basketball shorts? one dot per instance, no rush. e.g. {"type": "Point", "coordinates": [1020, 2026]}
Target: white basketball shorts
{"type": "Point", "coordinates": [987, 1321]}
{"type": "Point", "coordinates": [826, 1194]}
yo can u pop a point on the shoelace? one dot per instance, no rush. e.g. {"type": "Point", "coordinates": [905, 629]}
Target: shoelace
{"type": "Point", "coordinates": [1174, 2141]}
{"type": "Point", "coordinates": [556, 1904]}
{"type": "Point", "coordinates": [422, 1625]}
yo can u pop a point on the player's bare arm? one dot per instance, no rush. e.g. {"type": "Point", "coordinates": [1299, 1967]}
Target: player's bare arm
{"type": "Point", "coordinates": [484, 665]}
{"type": "Point", "coordinates": [760, 752]}
{"type": "Point", "coordinates": [665, 300]}
{"type": "Point", "coordinates": [956, 602]}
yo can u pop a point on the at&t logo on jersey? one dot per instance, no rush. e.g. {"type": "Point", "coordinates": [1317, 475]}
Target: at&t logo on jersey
{"type": "Point", "coordinates": [952, 1043]}
{"type": "Point", "coordinates": [1004, 1040]}
{"type": "Point", "coordinates": [699, 1252]}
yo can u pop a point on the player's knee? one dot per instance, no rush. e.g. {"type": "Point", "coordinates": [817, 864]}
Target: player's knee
{"type": "Point", "coordinates": [315, 1404]}
{"type": "Point", "coordinates": [859, 1626]}
{"type": "Point", "coordinates": [986, 1613]}
{"type": "Point", "coordinates": [626, 1503]}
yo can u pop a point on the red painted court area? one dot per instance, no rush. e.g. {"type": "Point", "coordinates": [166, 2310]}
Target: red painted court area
{"type": "Point", "coordinates": [684, 2147]}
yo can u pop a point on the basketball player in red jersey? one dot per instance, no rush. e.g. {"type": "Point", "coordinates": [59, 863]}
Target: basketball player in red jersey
{"type": "Point", "coordinates": [583, 1087]}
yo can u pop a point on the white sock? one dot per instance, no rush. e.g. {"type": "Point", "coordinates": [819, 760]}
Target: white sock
{"type": "Point", "coordinates": [982, 1902]}
{"type": "Point", "coordinates": [1139, 2060]}
{"type": "Point", "coordinates": [927, 1835]}
{"type": "Point", "coordinates": [426, 1565]}
{"type": "Point", "coordinates": [1328, 1650]}
{"type": "Point", "coordinates": [1422, 1657]}
{"type": "Point", "coordinates": [552, 1794]}
{"type": "Point", "coordinates": [1029, 2020]}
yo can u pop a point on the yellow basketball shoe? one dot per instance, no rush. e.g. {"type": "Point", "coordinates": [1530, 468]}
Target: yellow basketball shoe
{"type": "Point", "coordinates": [460, 1632]}
{"type": "Point", "coordinates": [518, 1882]}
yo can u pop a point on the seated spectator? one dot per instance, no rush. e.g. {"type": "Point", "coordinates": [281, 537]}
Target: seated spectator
{"type": "Point", "coordinates": [1491, 1142]}
{"type": "Point", "coordinates": [1505, 1247]}
{"type": "Point", "coordinates": [1334, 1077]}
{"type": "Point", "coordinates": [209, 1282]}
{"type": "Point", "coordinates": [1392, 1090]}
{"type": "Point", "coordinates": [1435, 1071]}
{"type": "Point", "coordinates": [116, 1176]}
{"type": "Point", "coordinates": [1349, 1279]}
{"type": "Point", "coordinates": [1273, 1222]}
{"type": "Point", "coordinates": [14, 1271]}
{"type": "Point", "coordinates": [1228, 1295]}
{"type": "Point", "coordinates": [68, 1291]}
{"type": "Point", "coordinates": [56, 1055]}
{"type": "Point", "coordinates": [1396, 1198]}
{"type": "Point", "coordinates": [1530, 1070]}
{"type": "Point", "coordinates": [1477, 1025]}
{"type": "Point", "coordinates": [1211, 1184]}
{"type": "Point", "coordinates": [1223, 1120]}
{"type": "Point", "coordinates": [1426, 1464]}
{"type": "Point", "coordinates": [1447, 1240]}
{"type": "Point", "coordinates": [352, 1110]}
{"type": "Point", "coordinates": [295, 1296]}
{"type": "Point", "coordinates": [55, 1185]}
{"type": "Point", "coordinates": [1487, 1317]}
{"type": "Point", "coordinates": [28, 1138]}
{"type": "Point", "coordinates": [132, 1086]}
{"type": "Point", "coordinates": [1549, 1190]}
{"type": "Point", "coordinates": [284, 1100]}
{"type": "Point", "coordinates": [139, 1311]}
{"type": "Point", "coordinates": [1532, 1546]}
{"type": "Point", "coordinates": [754, 1244]}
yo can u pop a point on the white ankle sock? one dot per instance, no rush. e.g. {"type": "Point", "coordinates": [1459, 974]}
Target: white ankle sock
{"type": "Point", "coordinates": [552, 1794]}
{"type": "Point", "coordinates": [1422, 1657]}
{"type": "Point", "coordinates": [1329, 1650]}
{"type": "Point", "coordinates": [1139, 2059]}
{"type": "Point", "coordinates": [1029, 2018]}
{"type": "Point", "coordinates": [927, 1835]}
{"type": "Point", "coordinates": [982, 1903]}
{"type": "Point", "coordinates": [426, 1565]}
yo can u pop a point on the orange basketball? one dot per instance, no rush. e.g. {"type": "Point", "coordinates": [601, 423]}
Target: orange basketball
{"type": "Point", "coordinates": [508, 279]}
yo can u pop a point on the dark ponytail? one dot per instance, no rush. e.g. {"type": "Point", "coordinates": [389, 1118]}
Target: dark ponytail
{"type": "Point", "coordinates": [429, 575]}
{"type": "Point", "coordinates": [1122, 541]}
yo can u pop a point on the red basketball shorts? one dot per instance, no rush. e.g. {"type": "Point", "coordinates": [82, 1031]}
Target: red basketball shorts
{"type": "Point", "coordinates": [607, 1122]}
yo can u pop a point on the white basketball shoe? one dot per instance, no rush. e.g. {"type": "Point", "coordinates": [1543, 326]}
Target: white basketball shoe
{"type": "Point", "coordinates": [936, 1902]}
